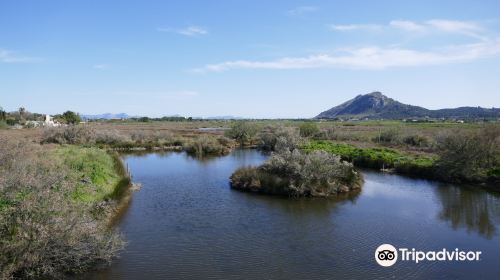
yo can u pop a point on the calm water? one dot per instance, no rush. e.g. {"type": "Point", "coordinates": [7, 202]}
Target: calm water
{"type": "Point", "coordinates": [186, 223]}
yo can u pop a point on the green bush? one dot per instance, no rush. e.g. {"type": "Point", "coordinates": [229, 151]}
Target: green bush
{"type": "Point", "coordinates": [294, 173]}
{"type": "Point", "coordinates": [71, 117]}
{"type": "Point", "coordinates": [377, 158]}
{"type": "Point", "coordinates": [242, 132]}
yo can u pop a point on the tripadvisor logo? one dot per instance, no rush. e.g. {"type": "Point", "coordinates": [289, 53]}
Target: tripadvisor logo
{"type": "Point", "coordinates": [387, 255]}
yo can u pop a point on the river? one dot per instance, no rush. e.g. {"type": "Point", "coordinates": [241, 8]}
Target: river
{"type": "Point", "coordinates": [186, 223]}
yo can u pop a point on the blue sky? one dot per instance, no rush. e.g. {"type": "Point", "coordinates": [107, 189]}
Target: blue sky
{"type": "Point", "coordinates": [262, 59]}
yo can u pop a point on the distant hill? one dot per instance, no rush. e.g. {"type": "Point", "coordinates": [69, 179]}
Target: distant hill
{"type": "Point", "coordinates": [375, 105]}
{"type": "Point", "coordinates": [106, 116]}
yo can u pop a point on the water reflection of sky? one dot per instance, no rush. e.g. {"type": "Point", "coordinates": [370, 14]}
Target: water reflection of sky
{"type": "Point", "coordinates": [186, 223]}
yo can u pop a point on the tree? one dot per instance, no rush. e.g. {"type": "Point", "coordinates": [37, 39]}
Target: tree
{"type": "Point", "coordinates": [22, 110]}
{"type": "Point", "coordinates": [3, 114]}
{"type": "Point", "coordinates": [71, 117]}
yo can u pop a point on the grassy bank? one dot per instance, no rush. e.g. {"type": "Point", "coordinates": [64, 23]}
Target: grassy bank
{"type": "Point", "coordinates": [378, 158]}
{"type": "Point", "coordinates": [54, 201]}
{"type": "Point", "coordinates": [412, 164]}
{"type": "Point", "coordinates": [96, 173]}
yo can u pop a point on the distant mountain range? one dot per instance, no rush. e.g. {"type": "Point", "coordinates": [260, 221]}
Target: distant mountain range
{"type": "Point", "coordinates": [110, 116]}
{"type": "Point", "coordinates": [375, 105]}
{"type": "Point", "coordinates": [106, 116]}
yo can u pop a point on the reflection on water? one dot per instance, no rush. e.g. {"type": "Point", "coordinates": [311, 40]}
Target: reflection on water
{"type": "Point", "coordinates": [186, 223]}
{"type": "Point", "coordinates": [472, 209]}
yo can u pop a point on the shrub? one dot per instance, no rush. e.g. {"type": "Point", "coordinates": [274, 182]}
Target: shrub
{"type": "Point", "coordinates": [309, 129]}
{"type": "Point", "coordinates": [71, 117]}
{"type": "Point", "coordinates": [43, 234]}
{"type": "Point", "coordinates": [279, 138]}
{"type": "Point", "coordinates": [75, 134]}
{"type": "Point", "coordinates": [416, 140]}
{"type": "Point", "coordinates": [111, 138]}
{"type": "Point", "coordinates": [242, 132]}
{"type": "Point", "coordinates": [468, 155]}
{"type": "Point", "coordinates": [206, 145]}
{"type": "Point", "coordinates": [294, 173]}
{"type": "Point", "coordinates": [389, 136]}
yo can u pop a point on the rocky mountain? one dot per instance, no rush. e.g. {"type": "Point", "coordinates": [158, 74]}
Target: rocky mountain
{"type": "Point", "coordinates": [375, 105]}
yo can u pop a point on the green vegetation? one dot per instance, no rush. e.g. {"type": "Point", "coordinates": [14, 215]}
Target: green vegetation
{"type": "Point", "coordinates": [297, 174]}
{"type": "Point", "coordinates": [71, 117]}
{"type": "Point", "coordinates": [377, 157]}
{"type": "Point", "coordinates": [469, 155]}
{"type": "Point", "coordinates": [309, 129]}
{"type": "Point", "coordinates": [93, 170]}
{"type": "Point", "coordinates": [242, 132]}
{"type": "Point", "coordinates": [52, 220]}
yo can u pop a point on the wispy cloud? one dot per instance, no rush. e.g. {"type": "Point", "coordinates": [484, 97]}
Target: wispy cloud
{"type": "Point", "coordinates": [301, 10]}
{"type": "Point", "coordinates": [351, 27]}
{"type": "Point", "coordinates": [101, 66]}
{"type": "Point", "coordinates": [469, 28]}
{"type": "Point", "coordinates": [7, 56]}
{"type": "Point", "coordinates": [187, 31]}
{"type": "Point", "coordinates": [381, 57]}
{"type": "Point", "coordinates": [407, 25]}
{"type": "Point", "coordinates": [370, 58]}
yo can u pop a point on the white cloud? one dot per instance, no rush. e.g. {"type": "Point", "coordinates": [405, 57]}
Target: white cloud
{"type": "Point", "coordinates": [407, 25]}
{"type": "Point", "coordinates": [7, 56]}
{"type": "Point", "coordinates": [468, 28]}
{"type": "Point", "coordinates": [371, 58]}
{"type": "Point", "coordinates": [298, 11]}
{"type": "Point", "coordinates": [187, 31]}
{"type": "Point", "coordinates": [352, 27]}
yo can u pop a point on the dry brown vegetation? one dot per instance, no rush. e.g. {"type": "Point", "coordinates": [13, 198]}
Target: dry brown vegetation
{"type": "Point", "coordinates": [43, 232]}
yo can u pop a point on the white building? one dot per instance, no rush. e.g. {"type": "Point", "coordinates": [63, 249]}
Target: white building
{"type": "Point", "coordinates": [49, 122]}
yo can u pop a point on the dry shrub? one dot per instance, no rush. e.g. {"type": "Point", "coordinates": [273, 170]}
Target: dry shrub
{"type": "Point", "coordinates": [110, 137]}
{"type": "Point", "coordinates": [208, 145]}
{"type": "Point", "coordinates": [468, 155]}
{"type": "Point", "coordinates": [280, 138]}
{"type": "Point", "coordinates": [43, 233]}
{"type": "Point", "coordinates": [73, 134]}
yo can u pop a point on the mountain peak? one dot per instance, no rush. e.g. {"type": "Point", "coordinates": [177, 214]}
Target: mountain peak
{"type": "Point", "coordinates": [375, 105]}
{"type": "Point", "coordinates": [376, 94]}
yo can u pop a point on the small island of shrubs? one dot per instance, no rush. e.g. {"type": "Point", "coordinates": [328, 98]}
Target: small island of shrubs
{"type": "Point", "coordinates": [294, 173]}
